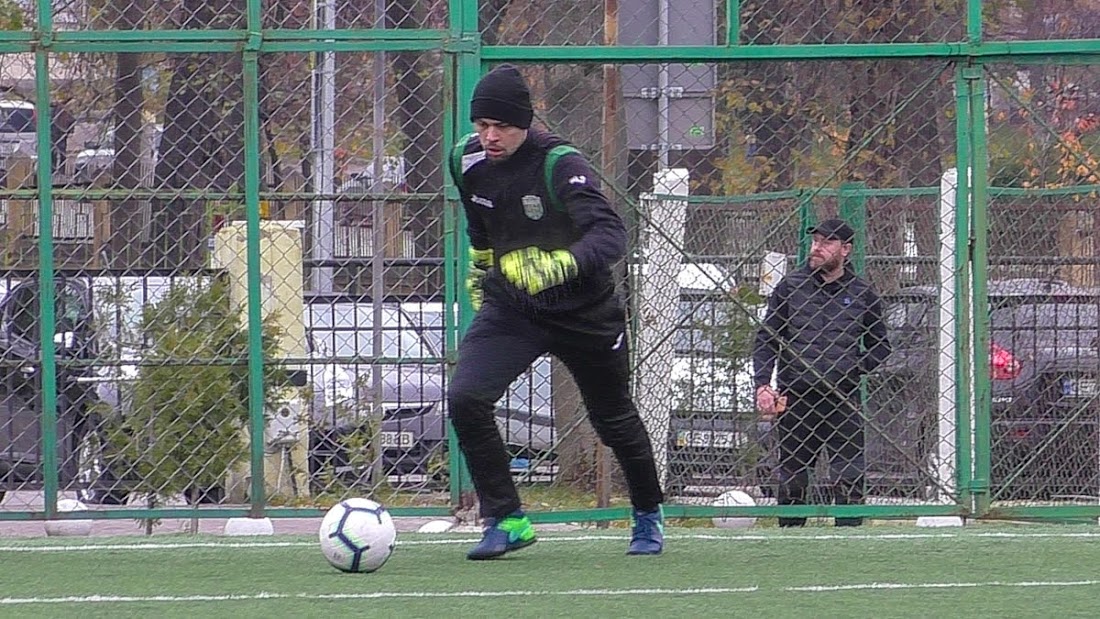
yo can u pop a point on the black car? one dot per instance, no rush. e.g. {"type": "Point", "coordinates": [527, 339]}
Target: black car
{"type": "Point", "coordinates": [905, 434]}
{"type": "Point", "coordinates": [1045, 367]}
{"type": "Point", "coordinates": [21, 454]}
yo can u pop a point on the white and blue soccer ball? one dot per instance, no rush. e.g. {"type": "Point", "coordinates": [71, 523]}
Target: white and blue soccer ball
{"type": "Point", "coordinates": [357, 535]}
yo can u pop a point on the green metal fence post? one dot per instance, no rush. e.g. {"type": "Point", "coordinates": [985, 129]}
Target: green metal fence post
{"type": "Point", "coordinates": [733, 22]}
{"type": "Point", "coordinates": [853, 209]}
{"type": "Point", "coordinates": [963, 427]}
{"type": "Point", "coordinates": [464, 27]}
{"type": "Point", "coordinates": [974, 21]}
{"type": "Point", "coordinates": [46, 308]}
{"type": "Point", "coordinates": [252, 251]}
{"type": "Point", "coordinates": [980, 274]}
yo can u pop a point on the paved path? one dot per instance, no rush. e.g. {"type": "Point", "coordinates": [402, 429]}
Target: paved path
{"type": "Point", "coordinates": [25, 501]}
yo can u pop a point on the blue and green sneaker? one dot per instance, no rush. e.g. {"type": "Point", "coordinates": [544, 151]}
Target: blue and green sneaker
{"type": "Point", "coordinates": [502, 536]}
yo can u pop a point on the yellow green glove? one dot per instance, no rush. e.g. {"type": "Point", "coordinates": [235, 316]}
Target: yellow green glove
{"type": "Point", "coordinates": [534, 270]}
{"type": "Point", "coordinates": [481, 260]}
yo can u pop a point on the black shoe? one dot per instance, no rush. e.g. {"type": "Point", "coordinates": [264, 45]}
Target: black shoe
{"type": "Point", "coordinates": [648, 534]}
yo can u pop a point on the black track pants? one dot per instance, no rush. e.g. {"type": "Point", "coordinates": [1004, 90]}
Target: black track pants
{"type": "Point", "coordinates": [497, 348]}
{"type": "Point", "coordinates": [816, 419]}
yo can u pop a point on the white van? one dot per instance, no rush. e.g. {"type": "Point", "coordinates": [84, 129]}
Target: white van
{"type": "Point", "coordinates": [17, 127]}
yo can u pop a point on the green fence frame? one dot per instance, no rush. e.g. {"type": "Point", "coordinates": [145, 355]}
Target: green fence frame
{"type": "Point", "coordinates": [465, 58]}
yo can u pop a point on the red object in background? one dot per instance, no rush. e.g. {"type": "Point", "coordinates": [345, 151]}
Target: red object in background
{"type": "Point", "coordinates": [1003, 365]}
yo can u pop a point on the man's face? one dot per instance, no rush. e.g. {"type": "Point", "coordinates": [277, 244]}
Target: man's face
{"type": "Point", "coordinates": [828, 254]}
{"type": "Point", "coordinates": [500, 140]}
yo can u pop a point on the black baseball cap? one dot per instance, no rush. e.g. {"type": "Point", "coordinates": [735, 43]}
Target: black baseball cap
{"type": "Point", "coordinates": [835, 229]}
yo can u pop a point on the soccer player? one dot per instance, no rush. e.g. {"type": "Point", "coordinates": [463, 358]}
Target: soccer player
{"type": "Point", "coordinates": [541, 282]}
{"type": "Point", "coordinates": [824, 330]}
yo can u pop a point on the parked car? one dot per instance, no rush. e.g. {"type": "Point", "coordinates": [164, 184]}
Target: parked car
{"type": "Point", "coordinates": [1045, 368]}
{"type": "Point", "coordinates": [18, 132]}
{"type": "Point", "coordinates": [21, 455]}
{"type": "Point", "coordinates": [902, 432]}
{"type": "Point", "coordinates": [410, 389]}
{"type": "Point", "coordinates": [714, 439]}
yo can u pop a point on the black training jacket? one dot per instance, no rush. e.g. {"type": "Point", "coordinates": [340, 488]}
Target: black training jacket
{"type": "Point", "coordinates": [821, 334]}
{"type": "Point", "coordinates": [508, 207]}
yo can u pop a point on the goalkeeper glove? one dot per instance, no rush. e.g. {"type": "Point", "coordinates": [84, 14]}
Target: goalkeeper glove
{"type": "Point", "coordinates": [481, 260]}
{"type": "Point", "coordinates": [535, 270]}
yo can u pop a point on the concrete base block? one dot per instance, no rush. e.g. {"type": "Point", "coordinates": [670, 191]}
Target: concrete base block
{"type": "Point", "coordinates": [436, 526]}
{"type": "Point", "coordinates": [249, 526]}
{"type": "Point", "coordinates": [940, 521]}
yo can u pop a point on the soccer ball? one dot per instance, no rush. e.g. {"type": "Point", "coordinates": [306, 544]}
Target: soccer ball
{"type": "Point", "coordinates": [357, 535]}
{"type": "Point", "coordinates": [728, 499]}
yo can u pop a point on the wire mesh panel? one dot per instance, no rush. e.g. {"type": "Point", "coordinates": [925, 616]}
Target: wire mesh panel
{"type": "Point", "coordinates": [677, 22]}
{"type": "Point", "coordinates": [781, 21]}
{"type": "Point", "coordinates": [785, 153]}
{"type": "Point", "coordinates": [322, 126]}
{"type": "Point", "coordinates": [1036, 21]}
{"type": "Point", "coordinates": [355, 14]}
{"type": "Point", "coordinates": [1043, 287]}
{"type": "Point", "coordinates": [191, 14]}
{"type": "Point", "coordinates": [148, 224]}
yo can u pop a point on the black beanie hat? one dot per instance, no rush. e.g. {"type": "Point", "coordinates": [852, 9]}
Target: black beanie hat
{"type": "Point", "coordinates": [502, 95]}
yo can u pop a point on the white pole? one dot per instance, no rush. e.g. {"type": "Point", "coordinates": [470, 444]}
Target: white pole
{"type": "Point", "coordinates": [659, 308]}
{"type": "Point", "coordinates": [946, 449]}
{"type": "Point", "coordinates": [945, 456]}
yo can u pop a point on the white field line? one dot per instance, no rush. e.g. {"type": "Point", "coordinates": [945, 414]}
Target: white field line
{"type": "Point", "coordinates": [940, 585]}
{"type": "Point", "coordinates": [555, 539]}
{"type": "Point", "coordinates": [118, 599]}
{"type": "Point", "coordinates": [172, 599]}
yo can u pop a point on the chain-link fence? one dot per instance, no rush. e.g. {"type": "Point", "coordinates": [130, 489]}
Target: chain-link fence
{"type": "Point", "coordinates": [230, 287]}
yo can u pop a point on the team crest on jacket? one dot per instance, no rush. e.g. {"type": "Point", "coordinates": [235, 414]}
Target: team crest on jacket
{"type": "Point", "coordinates": [532, 207]}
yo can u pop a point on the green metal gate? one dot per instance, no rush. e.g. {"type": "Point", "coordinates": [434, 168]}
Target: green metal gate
{"type": "Point", "coordinates": [232, 289]}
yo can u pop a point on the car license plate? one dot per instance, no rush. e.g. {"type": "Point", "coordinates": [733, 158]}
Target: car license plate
{"type": "Point", "coordinates": [705, 438]}
{"type": "Point", "coordinates": [1080, 388]}
{"type": "Point", "coordinates": [402, 440]}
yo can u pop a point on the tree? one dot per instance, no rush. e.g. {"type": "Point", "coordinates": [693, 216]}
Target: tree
{"type": "Point", "coordinates": [895, 138]}
{"type": "Point", "coordinates": [1043, 134]}
{"type": "Point", "coordinates": [202, 147]}
{"type": "Point", "coordinates": [772, 122]}
{"type": "Point", "coordinates": [285, 115]}
{"type": "Point", "coordinates": [182, 432]}
{"type": "Point", "coordinates": [129, 103]}
{"type": "Point", "coordinates": [418, 83]}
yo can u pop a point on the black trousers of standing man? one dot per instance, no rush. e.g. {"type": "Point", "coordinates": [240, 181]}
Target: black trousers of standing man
{"type": "Point", "coordinates": [816, 418]}
{"type": "Point", "coordinates": [500, 344]}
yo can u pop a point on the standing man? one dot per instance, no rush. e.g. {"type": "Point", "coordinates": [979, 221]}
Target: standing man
{"type": "Point", "coordinates": [543, 239]}
{"type": "Point", "coordinates": [824, 331]}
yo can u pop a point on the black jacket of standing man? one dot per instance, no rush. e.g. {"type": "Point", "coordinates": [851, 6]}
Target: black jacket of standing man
{"type": "Point", "coordinates": [822, 332]}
